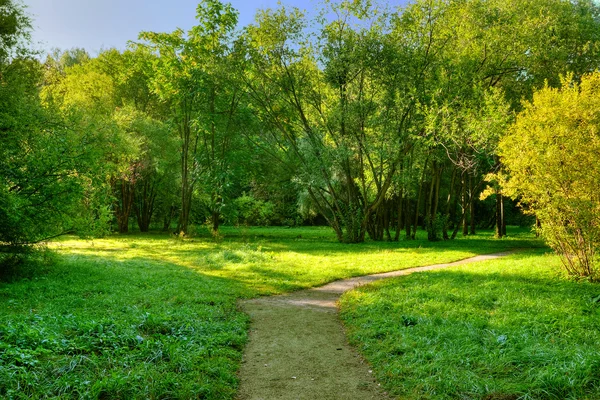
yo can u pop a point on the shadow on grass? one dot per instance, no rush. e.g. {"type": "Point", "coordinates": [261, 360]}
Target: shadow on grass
{"type": "Point", "coordinates": [277, 240]}
{"type": "Point", "coordinates": [156, 318]}
{"type": "Point", "coordinates": [268, 267]}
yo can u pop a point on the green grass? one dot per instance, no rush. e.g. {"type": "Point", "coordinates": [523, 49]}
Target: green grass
{"type": "Point", "coordinates": [505, 329]}
{"type": "Point", "coordinates": [153, 316]}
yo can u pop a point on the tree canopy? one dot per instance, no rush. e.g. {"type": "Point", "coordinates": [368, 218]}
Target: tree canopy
{"type": "Point", "coordinates": [377, 121]}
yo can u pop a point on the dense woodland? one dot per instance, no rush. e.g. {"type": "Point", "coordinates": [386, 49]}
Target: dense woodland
{"type": "Point", "coordinates": [377, 121]}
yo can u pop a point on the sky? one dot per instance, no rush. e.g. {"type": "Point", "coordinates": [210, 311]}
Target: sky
{"type": "Point", "coordinates": [102, 24]}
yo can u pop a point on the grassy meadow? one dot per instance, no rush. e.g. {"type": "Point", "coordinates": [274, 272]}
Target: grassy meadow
{"type": "Point", "coordinates": [508, 329]}
{"type": "Point", "coordinates": [155, 316]}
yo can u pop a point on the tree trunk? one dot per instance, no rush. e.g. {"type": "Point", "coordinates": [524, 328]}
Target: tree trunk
{"type": "Point", "coordinates": [329, 213]}
{"type": "Point", "coordinates": [399, 216]}
{"type": "Point", "coordinates": [457, 226]}
{"type": "Point", "coordinates": [503, 217]}
{"type": "Point", "coordinates": [436, 199]}
{"type": "Point", "coordinates": [144, 204]}
{"type": "Point", "coordinates": [448, 203]}
{"type": "Point", "coordinates": [168, 218]}
{"type": "Point", "coordinates": [471, 205]}
{"type": "Point", "coordinates": [499, 215]}
{"type": "Point", "coordinates": [418, 205]}
{"type": "Point", "coordinates": [464, 201]}
{"type": "Point", "coordinates": [188, 152]}
{"type": "Point", "coordinates": [407, 222]}
{"type": "Point", "coordinates": [386, 220]}
{"type": "Point", "coordinates": [461, 222]}
{"type": "Point", "coordinates": [124, 204]}
{"type": "Point", "coordinates": [416, 212]}
{"type": "Point", "coordinates": [215, 217]}
{"type": "Point", "coordinates": [432, 220]}
{"type": "Point", "coordinates": [429, 206]}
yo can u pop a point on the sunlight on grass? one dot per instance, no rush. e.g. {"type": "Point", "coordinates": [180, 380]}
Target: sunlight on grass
{"type": "Point", "coordinates": [275, 260]}
{"type": "Point", "coordinates": [154, 316]}
{"type": "Point", "coordinates": [505, 329]}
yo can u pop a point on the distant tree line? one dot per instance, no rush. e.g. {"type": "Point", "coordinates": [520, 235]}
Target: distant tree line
{"type": "Point", "coordinates": [377, 121]}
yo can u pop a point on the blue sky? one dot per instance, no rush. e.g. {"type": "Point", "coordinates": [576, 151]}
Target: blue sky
{"type": "Point", "coordinates": [98, 24]}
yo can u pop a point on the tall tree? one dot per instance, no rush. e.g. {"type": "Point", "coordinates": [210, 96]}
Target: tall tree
{"type": "Point", "coordinates": [341, 125]}
{"type": "Point", "coordinates": [496, 50]}
{"type": "Point", "coordinates": [90, 90]}
{"type": "Point", "coordinates": [140, 116]}
{"type": "Point", "coordinates": [193, 78]}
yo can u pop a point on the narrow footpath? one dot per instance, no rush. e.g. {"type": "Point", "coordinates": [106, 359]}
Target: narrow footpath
{"type": "Point", "coordinates": [298, 349]}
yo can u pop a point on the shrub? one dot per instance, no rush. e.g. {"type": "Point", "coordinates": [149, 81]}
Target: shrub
{"type": "Point", "coordinates": [253, 212]}
{"type": "Point", "coordinates": [552, 154]}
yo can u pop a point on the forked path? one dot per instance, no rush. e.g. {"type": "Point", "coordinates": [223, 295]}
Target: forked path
{"type": "Point", "coordinates": [298, 349]}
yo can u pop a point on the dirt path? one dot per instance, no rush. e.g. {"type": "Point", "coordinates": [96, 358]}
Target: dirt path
{"type": "Point", "coordinates": [298, 349]}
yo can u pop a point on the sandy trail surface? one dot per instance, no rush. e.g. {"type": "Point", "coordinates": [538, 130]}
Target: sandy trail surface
{"type": "Point", "coordinates": [298, 349]}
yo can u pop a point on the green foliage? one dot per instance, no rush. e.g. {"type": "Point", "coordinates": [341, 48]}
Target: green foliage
{"type": "Point", "coordinates": [552, 157]}
{"type": "Point", "coordinates": [368, 120]}
{"type": "Point", "coordinates": [15, 26]}
{"type": "Point", "coordinates": [373, 115]}
{"type": "Point", "coordinates": [328, 124]}
{"type": "Point", "coordinates": [195, 76]}
{"type": "Point", "coordinates": [110, 96]}
{"type": "Point", "coordinates": [47, 184]}
{"type": "Point", "coordinates": [253, 212]}
{"type": "Point", "coordinates": [52, 140]}
{"type": "Point", "coordinates": [505, 329]}
{"type": "Point", "coordinates": [378, 106]}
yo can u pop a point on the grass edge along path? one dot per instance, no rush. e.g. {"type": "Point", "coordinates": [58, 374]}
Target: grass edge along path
{"type": "Point", "coordinates": [298, 348]}
{"type": "Point", "coordinates": [509, 329]}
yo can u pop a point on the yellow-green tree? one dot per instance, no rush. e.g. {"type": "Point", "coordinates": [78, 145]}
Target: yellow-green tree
{"type": "Point", "coordinates": [552, 154]}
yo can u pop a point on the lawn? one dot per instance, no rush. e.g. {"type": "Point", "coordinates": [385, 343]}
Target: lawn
{"type": "Point", "coordinates": [154, 316]}
{"type": "Point", "coordinates": [508, 329]}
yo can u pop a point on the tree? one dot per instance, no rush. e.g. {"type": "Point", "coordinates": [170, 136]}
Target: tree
{"type": "Point", "coordinates": [194, 78]}
{"type": "Point", "coordinates": [48, 184]}
{"type": "Point", "coordinates": [141, 117]}
{"type": "Point", "coordinates": [552, 156]}
{"type": "Point", "coordinates": [15, 27]}
{"type": "Point", "coordinates": [496, 54]}
{"type": "Point", "coordinates": [87, 92]}
{"type": "Point", "coordinates": [347, 127]}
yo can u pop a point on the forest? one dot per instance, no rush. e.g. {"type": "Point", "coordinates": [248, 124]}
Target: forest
{"type": "Point", "coordinates": [373, 121]}
{"type": "Point", "coordinates": [429, 127]}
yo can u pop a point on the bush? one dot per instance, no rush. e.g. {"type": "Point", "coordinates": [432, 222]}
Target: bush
{"type": "Point", "coordinates": [23, 262]}
{"type": "Point", "coordinates": [552, 154]}
{"type": "Point", "coordinates": [253, 212]}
